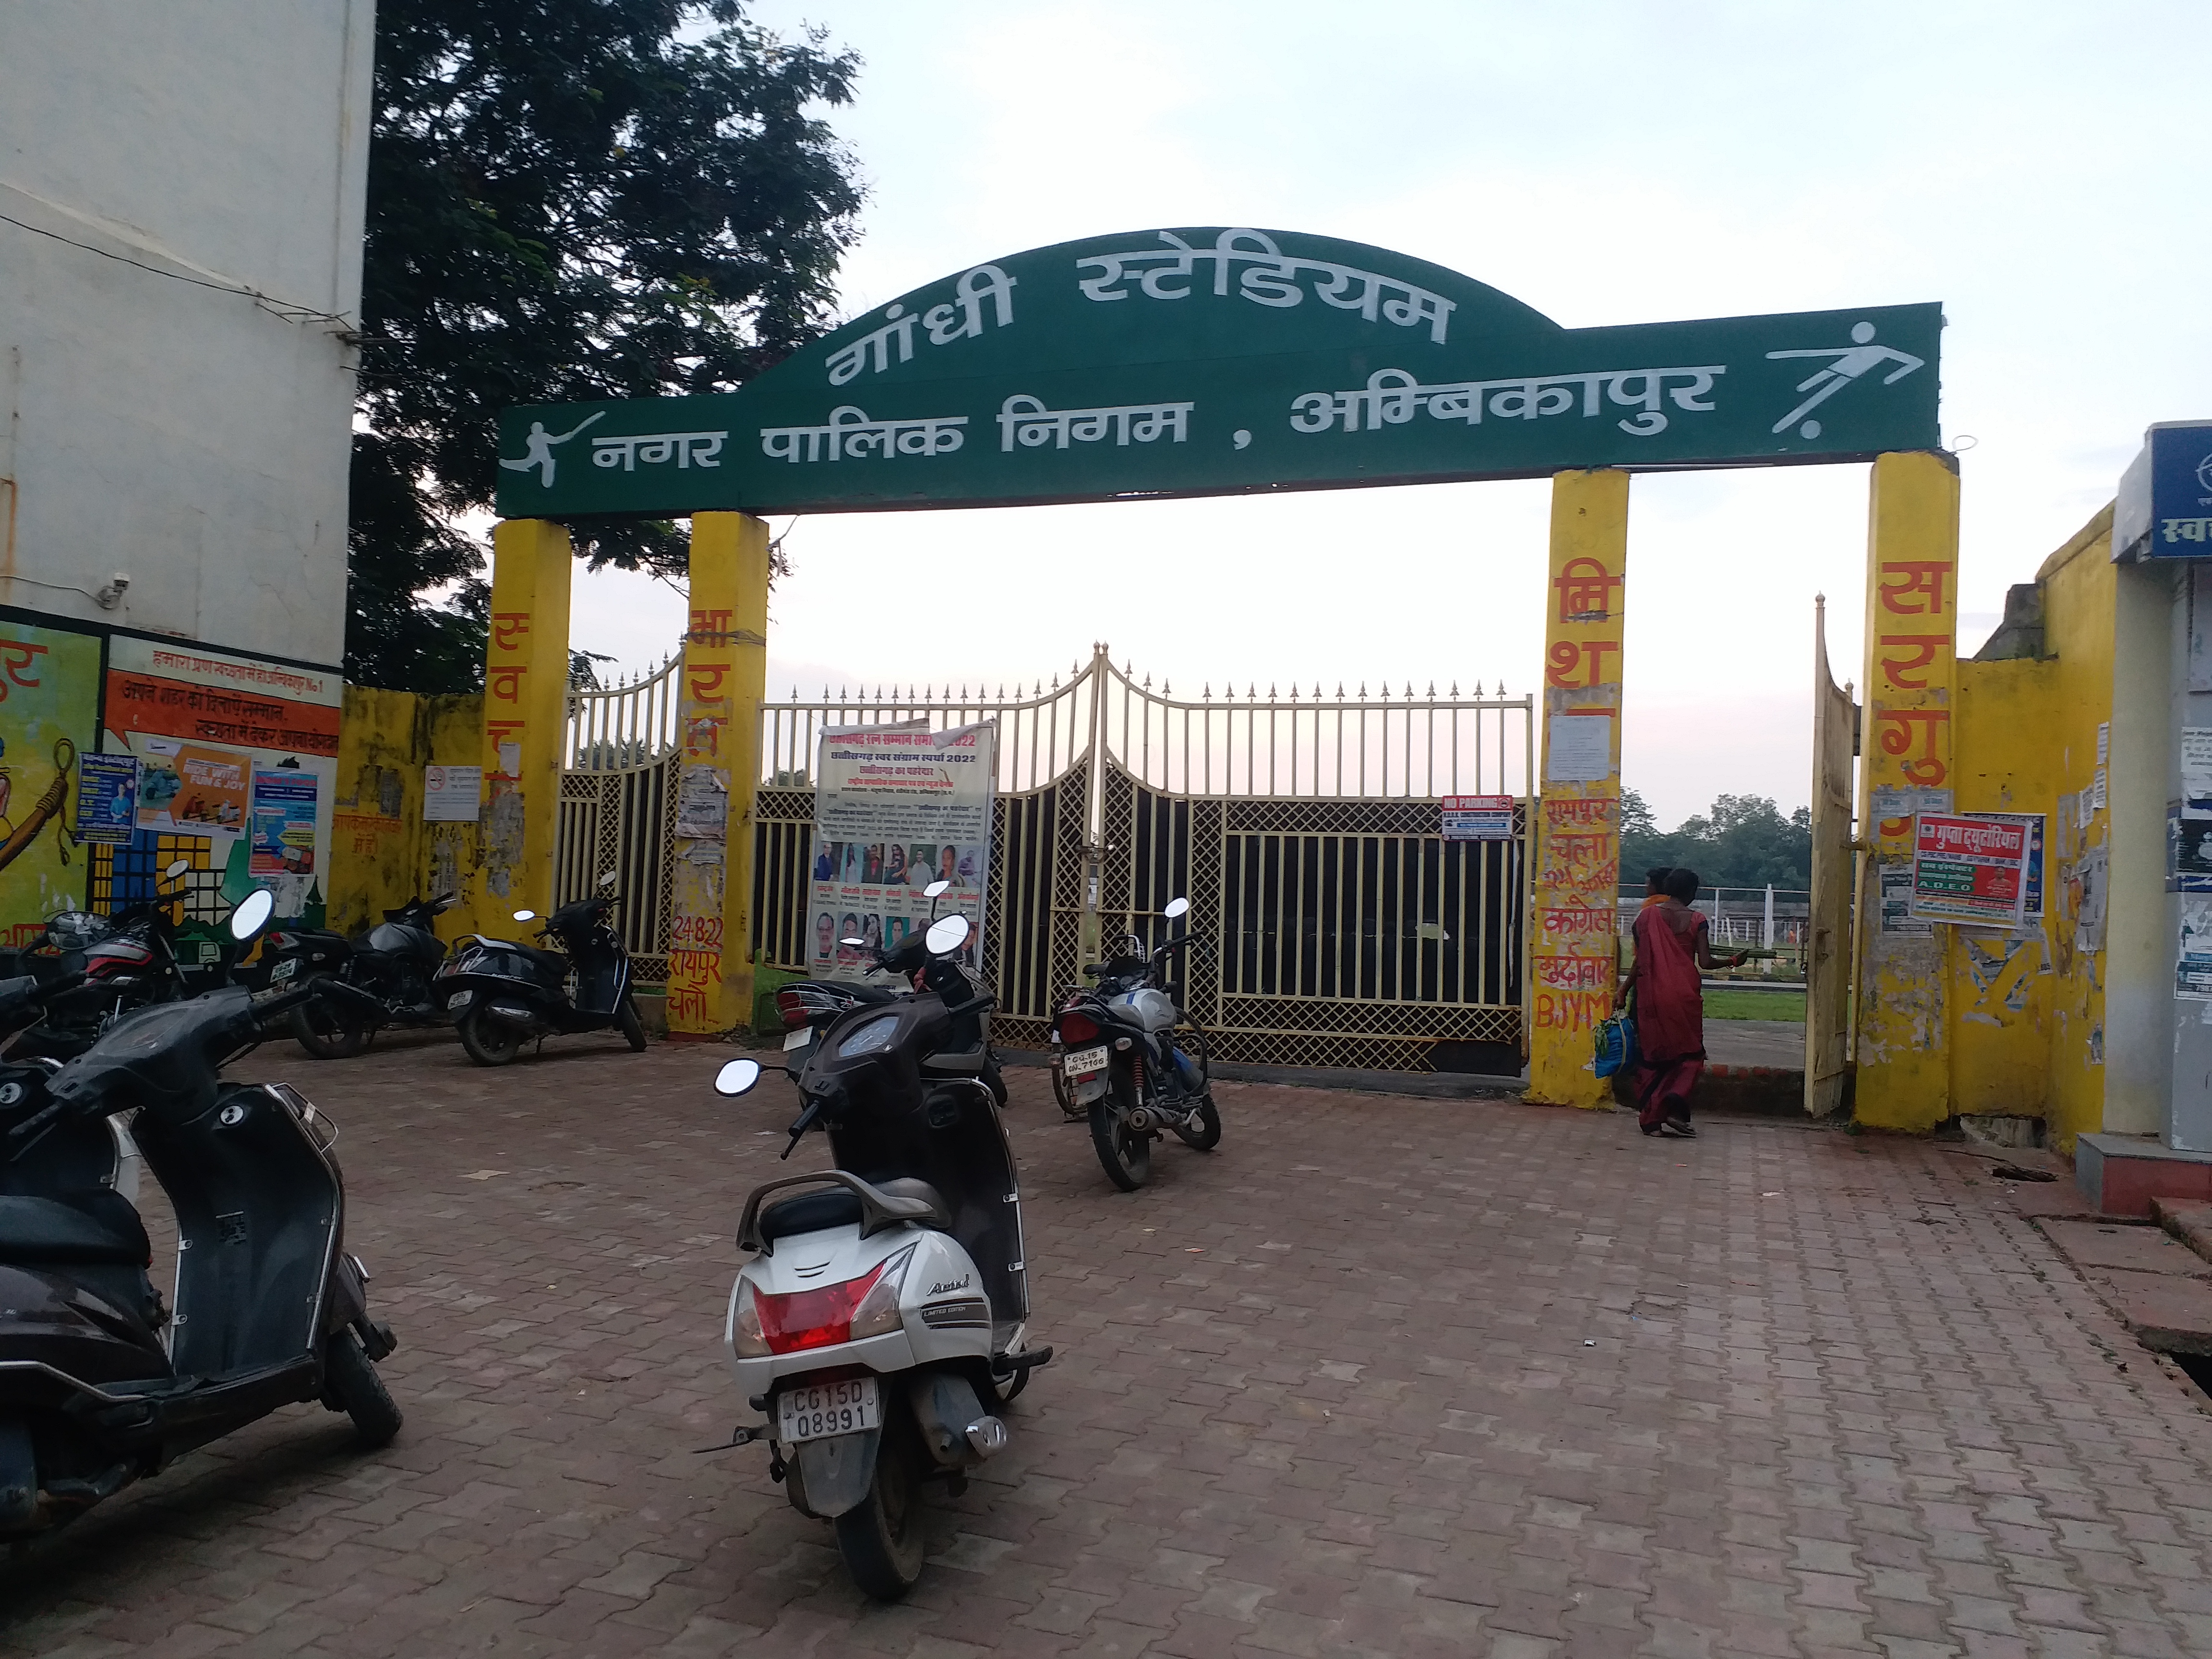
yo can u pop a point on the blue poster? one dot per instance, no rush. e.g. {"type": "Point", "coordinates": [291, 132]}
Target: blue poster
{"type": "Point", "coordinates": [283, 823]}
{"type": "Point", "coordinates": [106, 798]}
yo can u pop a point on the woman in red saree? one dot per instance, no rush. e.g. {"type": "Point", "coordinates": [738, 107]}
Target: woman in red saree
{"type": "Point", "coordinates": [1673, 948]}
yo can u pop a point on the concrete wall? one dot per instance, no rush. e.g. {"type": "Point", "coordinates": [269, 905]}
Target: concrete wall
{"type": "Point", "coordinates": [192, 437]}
{"type": "Point", "coordinates": [383, 855]}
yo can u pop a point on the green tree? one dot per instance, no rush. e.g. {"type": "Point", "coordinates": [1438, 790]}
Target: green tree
{"type": "Point", "coordinates": [567, 199]}
{"type": "Point", "coordinates": [1743, 841]}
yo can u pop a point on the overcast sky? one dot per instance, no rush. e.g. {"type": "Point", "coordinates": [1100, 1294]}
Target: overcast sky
{"type": "Point", "coordinates": [2036, 167]}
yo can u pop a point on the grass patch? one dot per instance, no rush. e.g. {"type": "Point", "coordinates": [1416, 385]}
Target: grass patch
{"type": "Point", "coordinates": [1754, 1005]}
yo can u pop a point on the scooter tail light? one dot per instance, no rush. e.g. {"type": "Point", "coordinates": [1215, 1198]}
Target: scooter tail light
{"type": "Point", "coordinates": [819, 1318]}
{"type": "Point", "coordinates": [745, 1335]}
{"type": "Point", "coordinates": [792, 1007]}
{"type": "Point", "coordinates": [878, 1312]}
{"type": "Point", "coordinates": [1076, 1028]}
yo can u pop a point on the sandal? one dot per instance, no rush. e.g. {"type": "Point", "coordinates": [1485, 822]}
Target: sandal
{"type": "Point", "coordinates": [1678, 1127]}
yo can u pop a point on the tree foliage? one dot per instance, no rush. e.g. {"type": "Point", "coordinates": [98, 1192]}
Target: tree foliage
{"type": "Point", "coordinates": [1743, 841]}
{"type": "Point", "coordinates": [567, 199]}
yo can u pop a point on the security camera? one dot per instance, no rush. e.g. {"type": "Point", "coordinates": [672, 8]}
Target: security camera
{"type": "Point", "coordinates": [112, 595]}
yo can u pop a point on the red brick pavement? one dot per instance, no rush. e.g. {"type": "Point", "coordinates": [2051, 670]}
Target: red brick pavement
{"type": "Point", "coordinates": [1382, 1375]}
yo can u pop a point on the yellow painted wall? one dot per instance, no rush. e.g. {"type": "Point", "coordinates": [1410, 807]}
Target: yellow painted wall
{"type": "Point", "coordinates": [382, 853]}
{"type": "Point", "coordinates": [2080, 593]}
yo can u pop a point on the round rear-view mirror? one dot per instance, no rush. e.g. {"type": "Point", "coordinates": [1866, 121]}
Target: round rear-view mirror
{"type": "Point", "coordinates": [251, 914]}
{"type": "Point", "coordinates": [525, 915]}
{"type": "Point", "coordinates": [176, 869]}
{"type": "Point", "coordinates": [936, 889]}
{"type": "Point", "coordinates": [608, 879]}
{"type": "Point", "coordinates": [737, 1076]}
{"type": "Point", "coordinates": [857, 943]}
{"type": "Point", "coordinates": [1176, 907]}
{"type": "Point", "coordinates": [947, 934]}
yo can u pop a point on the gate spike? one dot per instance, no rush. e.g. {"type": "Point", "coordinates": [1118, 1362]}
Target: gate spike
{"type": "Point", "coordinates": [1164, 687]}
{"type": "Point", "coordinates": [1478, 688]}
{"type": "Point", "coordinates": [1363, 688]}
{"type": "Point", "coordinates": [1432, 688]}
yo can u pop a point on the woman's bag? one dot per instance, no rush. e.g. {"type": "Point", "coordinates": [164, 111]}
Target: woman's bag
{"type": "Point", "coordinates": [1616, 1045]}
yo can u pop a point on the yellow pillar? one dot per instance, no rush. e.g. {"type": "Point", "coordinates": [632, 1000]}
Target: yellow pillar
{"type": "Point", "coordinates": [710, 968]}
{"type": "Point", "coordinates": [1912, 642]}
{"type": "Point", "coordinates": [526, 711]}
{"type": "Point", "coordinates": [1577, 830]}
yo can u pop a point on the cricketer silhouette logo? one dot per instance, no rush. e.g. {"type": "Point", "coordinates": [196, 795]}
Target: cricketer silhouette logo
{"type": "Point", "coordinates": [1846, 364]}
{"type": "Point", "coordinates": [537, 450]}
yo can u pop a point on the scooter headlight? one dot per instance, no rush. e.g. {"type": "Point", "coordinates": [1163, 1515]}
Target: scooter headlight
{"type": "Point", "coordinates": [871, 1038]}
{"type": "Point", "coordinates": [746, 1334]}
{"type": "Point", "coordinates": [879, 1310]}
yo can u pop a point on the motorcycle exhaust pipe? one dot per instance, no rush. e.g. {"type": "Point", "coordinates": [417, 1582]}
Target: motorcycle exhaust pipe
{"type": "Point", "coordinates": [1140, 1118]}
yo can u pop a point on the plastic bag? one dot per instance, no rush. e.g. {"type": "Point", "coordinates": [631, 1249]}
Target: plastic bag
{"type": "Point", "coordinates": [1616, 1045]}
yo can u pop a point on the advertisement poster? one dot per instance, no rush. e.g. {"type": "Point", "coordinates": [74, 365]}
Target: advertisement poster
{"type": "Point", "coordinates": [1477, 817]}
{"type": "Point", "coordinates": [2196, 769]}
{"type": "Point", "coordinates": [49, 709]}
{"type": "Point", "coordinates": [106, 798]}
{"type": "Point", "coordinates": [2192, 968]}
{"type": "Point", "coordinates": [2032, 906]}
{"type": "Point", "coordinates": [1579, 749]}
{"type": "Point", "coordinates": [452, 794]}
{"type": "Point", "coordinates": [702, 804]}
{"type": "Point", "coordinates": [1897, 904]}
{"type": "Point", "coordinates": [202, 723]}
{"type": "Point", "coordinates": [896, 809]}
{"type": "Point", "coordinates": [1969, 869]}
{"type": "Point", "coordinates": [283, 823]}
{"type": "Point", "coordinates": [2188, 852]}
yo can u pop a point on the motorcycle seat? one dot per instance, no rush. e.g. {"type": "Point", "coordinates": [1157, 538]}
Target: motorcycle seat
{"type": "Point", "coordinates": [98, 1225]}
{"type": "Point", "coordinates": [964, 1063]}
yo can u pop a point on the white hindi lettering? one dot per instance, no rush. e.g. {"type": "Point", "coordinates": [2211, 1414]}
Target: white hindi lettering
{"type": "Point", "coordinates": [851, 435]}
{"type": "Point", "coordinates": [686, 449]}
{"type": "Point", "coordinates": [1268, 277]}
{"type": "Point", "coordinates": [2187, 529]}
{"type": "Point", "coordinates": [1391, 396]}
{"type": "Point", "coordinates": [960, 319]}
{"type": "Point", "coordinates": [1025, 421]}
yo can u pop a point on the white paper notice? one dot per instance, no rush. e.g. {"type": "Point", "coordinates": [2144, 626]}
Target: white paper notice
{"type": "Point", "coordinates": [2104, 743]}
{"type": "Point", "coordinates": [1580, 747]}
{"type": "Point", "coordinates": [2097, 792]}
{"type": "Point", "coordinates": [452, 794]}
{"type": "Point", "coordinates": [2196, 771]}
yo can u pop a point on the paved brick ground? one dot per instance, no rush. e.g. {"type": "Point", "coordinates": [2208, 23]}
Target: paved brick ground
{"type": "Point", "coordinates": [1380, 1377]}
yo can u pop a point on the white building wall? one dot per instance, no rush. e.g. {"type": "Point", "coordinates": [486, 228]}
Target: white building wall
{"type": "Point", "coordinates": [189, 436]}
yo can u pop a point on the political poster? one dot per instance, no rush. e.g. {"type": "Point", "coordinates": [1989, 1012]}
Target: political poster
{"type": "Point", "coordinates": [106, 798]}
{"type": "Point", "coordinates": [897, 809]}
{"type": "Point", "coordinates": [1968, 870]}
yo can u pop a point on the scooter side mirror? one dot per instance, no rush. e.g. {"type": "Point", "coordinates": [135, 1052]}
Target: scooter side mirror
{"type": "Point", "coordinates": [177, 868]}
{"type": "Point", "coordinates": [608, 879]}
{"type": "Point", "coordinates": [251, 914]}
{"type": "Point", "coordinates": [946, 934]}
{"type": "Point", "coordinates": [1176, 907]}
{"type": "Point", "coordinates": [737, 1076]}
{"type": "Point", "coordinates": [525, 915]}
{"type": "Point", "coordinates": [857, 943]}
{"type": "Point", "coordinates": [444, 901]}
{"type": "Point", "coordinates": [937, 889]}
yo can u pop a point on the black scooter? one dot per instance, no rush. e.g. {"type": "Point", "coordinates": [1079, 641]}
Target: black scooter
{"type": "Point", "coordinates": [500, 994]}
{"type": "Point", "coordinates": [810, 1006]}
{"type": "Point", "coordinates": [100, 1385]}
{"type": "Point", "coordinates": [396, 962]}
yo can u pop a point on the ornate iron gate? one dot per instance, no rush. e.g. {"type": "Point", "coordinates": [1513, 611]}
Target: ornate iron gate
{"type": "Point", "coordinates": [619, 808]}
{"type": "Point", "coordinates": [1305, 829]}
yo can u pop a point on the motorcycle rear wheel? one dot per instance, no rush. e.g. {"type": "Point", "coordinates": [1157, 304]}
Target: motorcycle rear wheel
{"type": "Point", "coordinates": [632, 1027]}
{"type": "Point", "coordinates": [351, 1385]}
{"type": "Point", "coordinates": [325, 1036]}
{"type": "Point", "coordinates": [881, 1538]}
{"type": "Point", "coordinates": [488, 1042]}
{"type": "Point", "coordinates": [1207, 1135]}
{"type": "Point", "coordinates": [1125, 1155]}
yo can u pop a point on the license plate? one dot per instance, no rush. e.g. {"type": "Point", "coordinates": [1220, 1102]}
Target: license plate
{"type": "Point", "coordinates": [815, 1412]}
{"type": "Point", "coordinates": [284, 970]}
{"type": "Point", "coordinates": [1084, 1061]}
{"type": "Point", "coordinates": [459, 1000]}
{"type": "Point", "coordinates": [799, 1039]}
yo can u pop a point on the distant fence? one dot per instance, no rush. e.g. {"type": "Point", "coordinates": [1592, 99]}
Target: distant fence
{"type": "Point", "coordinates": [1777, 918]}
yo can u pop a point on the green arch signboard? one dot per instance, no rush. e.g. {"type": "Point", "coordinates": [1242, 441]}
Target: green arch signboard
{"type": "Point", "coordinates": [1215, 360]}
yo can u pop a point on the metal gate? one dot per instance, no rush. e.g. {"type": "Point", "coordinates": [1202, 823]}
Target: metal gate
{"type": "Point", "coordinates": [1304, 828]}
{"type": "Point", "coordinates": [618, 809]}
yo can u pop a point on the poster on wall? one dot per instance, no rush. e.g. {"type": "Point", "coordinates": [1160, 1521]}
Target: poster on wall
{"type": "Point", "coordinates": [452, 794]}
{"type": "Point", "coordinates": [205, 726]}
{"type": "Point", "coordinates": [2192, 968]}
{"type": "Point", "coordinates": [49, 714]}
{"type": "Point", "coordinates": [894, 809]}
{"type": "Point", "coordinates": [2188, 851]}
{"type": "Point", "coordinates": [2031, 902]}
{"type": "Point", "coordinates": [106, 798]}
{"type": "Point", "coordinates": [1968, 870]}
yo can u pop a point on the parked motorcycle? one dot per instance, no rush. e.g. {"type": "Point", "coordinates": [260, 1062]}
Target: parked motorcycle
{"type": "Point", "coordinates": [500, 994]}
{"type": "Point", "coordinates": [119, 963]}
{"type": "Point", "coordinates": [396, 962]}
{"type": "Point", "coordinates": [100, 1384]}
{"type": "Point", "coordinates": [884, 1318]}
{"type": "Point", "coordinates": [810, 1006]}
{"type": "Point", "coordinates": [1127, 1056]}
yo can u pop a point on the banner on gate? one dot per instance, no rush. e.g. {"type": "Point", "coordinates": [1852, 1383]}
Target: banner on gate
{"type": "Point", "coordinates": [896, 808]}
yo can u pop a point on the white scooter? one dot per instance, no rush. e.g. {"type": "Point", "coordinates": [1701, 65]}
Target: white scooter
{"type": "Point", "coordinates": [882, 1320]}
